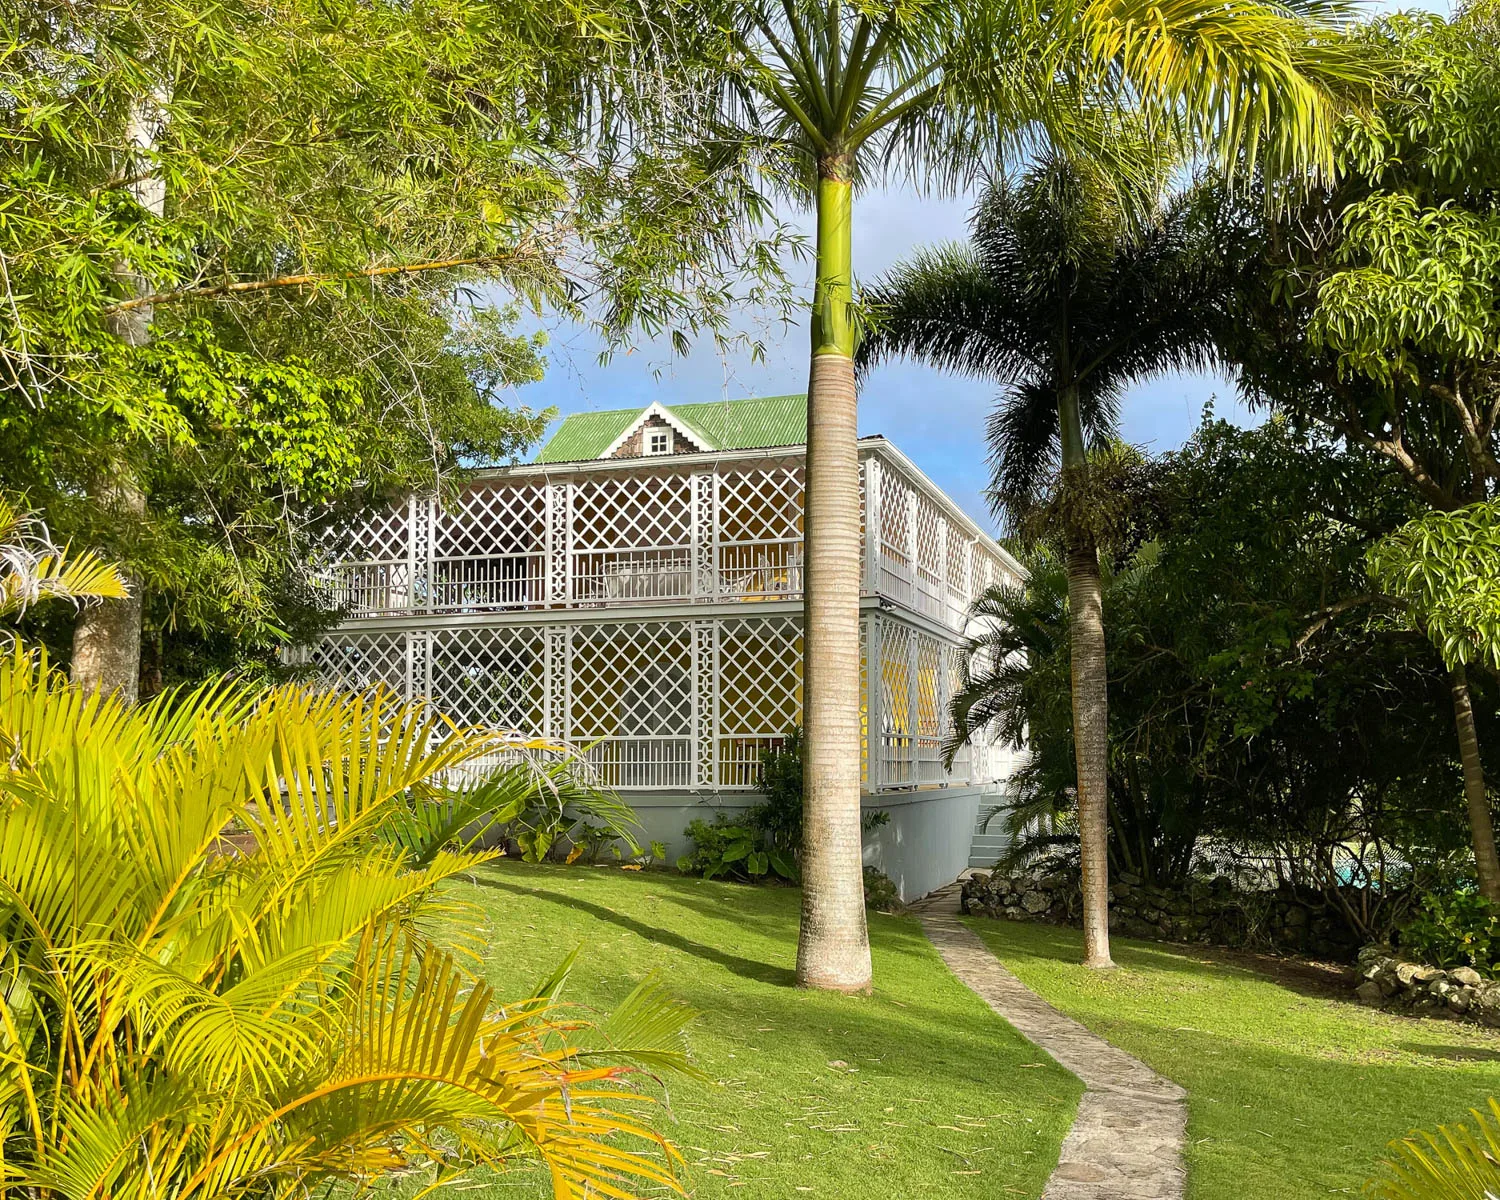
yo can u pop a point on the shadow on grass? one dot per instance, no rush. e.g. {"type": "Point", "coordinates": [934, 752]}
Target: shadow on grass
{"type": "Point", "coordinates": [1455, 1054]}
{"type": "Point", "coordinates": [746, 968]}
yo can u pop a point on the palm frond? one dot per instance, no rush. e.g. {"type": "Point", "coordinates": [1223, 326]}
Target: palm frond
{"type": "Point", "coordinates": [33, 570]}
{"type": "Point", "coordinates": [1456, 1163]}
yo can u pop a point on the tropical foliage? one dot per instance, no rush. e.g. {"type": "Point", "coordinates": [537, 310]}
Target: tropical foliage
{"type": "Point", "coordinates": [33, 570]}
{"type": "Point", "coordinates": [220, 969]}
{"type": "Point", "coordinates": [1455, 1163]}
{"type": "Point", "coordinates": [1266, 713]}
{"type": "Point", "coordinates": [227, 300]}
{"type": "Point", "coordinates": [1079, 282]}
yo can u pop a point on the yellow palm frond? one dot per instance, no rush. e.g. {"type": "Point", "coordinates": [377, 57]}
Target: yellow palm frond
{"type": "Point", "coordinates": [32, 569]}
{"type": "Point", "coordinates": [1456, 1163]}
{"type": "Point", "coordinates": [211, 979]}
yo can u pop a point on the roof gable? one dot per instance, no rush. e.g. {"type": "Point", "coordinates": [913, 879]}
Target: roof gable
{"type": "Point", "coordinates": [754, 423]}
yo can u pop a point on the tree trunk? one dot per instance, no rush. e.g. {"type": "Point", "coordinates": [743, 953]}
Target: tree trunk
{"type": "Point", "coordinates": [1481, 823]}
{"type": "Point", "coordinates": [1090, 678]}
{"type": "Point", "coordinates": [1091, 745]}
{"type": "Point", "coordinates": [107, 638]}
{"type": "Point", "coordinates": [833, 948]}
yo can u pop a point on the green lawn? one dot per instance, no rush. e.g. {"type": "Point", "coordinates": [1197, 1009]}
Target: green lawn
{"type": "Point", "coordinates": [1289, 1095]}
{"type": "Point", "coordinates": [916, 1091]}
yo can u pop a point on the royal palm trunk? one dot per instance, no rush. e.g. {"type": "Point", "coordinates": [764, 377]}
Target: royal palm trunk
{"type": "Point", "coordinates": [1481, 824]}
{"type": "Point", "coordinates": [833, 949]}
{"type": "Point", "coordinates": [1090, 686]}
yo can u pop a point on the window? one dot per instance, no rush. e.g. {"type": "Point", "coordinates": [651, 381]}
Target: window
{"type": "Point", "coordinates": [658, 441]}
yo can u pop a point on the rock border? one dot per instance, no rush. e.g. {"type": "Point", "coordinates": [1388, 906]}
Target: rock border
{"type": "Point", "coordinates": [1420, 990]}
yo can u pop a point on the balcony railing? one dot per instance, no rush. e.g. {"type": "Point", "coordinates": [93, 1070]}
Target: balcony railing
{"type": "Point", "coordinates": [657, 539]}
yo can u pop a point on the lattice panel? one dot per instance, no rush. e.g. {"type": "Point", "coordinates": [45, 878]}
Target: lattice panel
{"type": "Point", "coordinates": [631, 679]}
{"type": "Point", "coordinates": [895, 678]}
{"type": "Point", "coordinates": [953, 682]}
{"type": "Point", "coordinates": [379, 536]}
{"type": "Point", "coordinates": [983, 570]}
{"type": "Point", "coordinates": [760, 676]}
{"type": "Point", "coordinates": [760, 504]}
{"type": "Point", "coordinates": [490, 676]}
{"type": "Point", "coordinates": [895, 517]}
{"type": "Point", "coordinates": [357, 661]}
{"type": "Point", "coordinates": [492, 519]}
{"type": "Point", "coordinates": [930, 530]}
{"type": "Point", "coordinates": [931, 691]}
{"type": "Point", "coordinates": [958, 563]}
{"type": "Point", "coordinates": [632, 511]}
{"type": "Point", "coordinates": [864, 702]}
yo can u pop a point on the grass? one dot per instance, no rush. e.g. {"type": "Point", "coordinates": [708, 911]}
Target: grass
{"type": "Point", "coordinates": [918, 1090]}
{"type": "Point", "coordinates": [1289, 1095]}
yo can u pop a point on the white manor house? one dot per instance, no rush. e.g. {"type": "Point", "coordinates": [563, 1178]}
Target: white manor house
{"type": "Point", "coordinates": [637, 592]}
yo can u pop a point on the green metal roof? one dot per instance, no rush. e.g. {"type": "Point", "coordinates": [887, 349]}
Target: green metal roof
{"type": "Point", "coordinates": [724, 424]}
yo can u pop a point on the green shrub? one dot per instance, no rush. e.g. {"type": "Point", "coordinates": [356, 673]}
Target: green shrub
{"type": "Point", "coordinates": [724, 849]}
{"type": "Point", "coordinates": [1458, 929]}
{"type": "Point", "coordinates": [880, 891]}
{"type": "Point", "coordinates": [769, 841]}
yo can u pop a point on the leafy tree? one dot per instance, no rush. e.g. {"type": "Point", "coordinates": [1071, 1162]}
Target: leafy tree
{"type": "Point", "coordinates": [1072, 290]}
{"type": "Point", "coordinates": [179, 219]}
{"type": "Point", "coordinates": [835, 94]}
{"type": "Point", "coordinates": [1445, 566]}
{"type": "Point", "coordinates": [190, 1018]}
{"type": "Point", "coordinates": [1259, 704]}
{"type": "Point", "coordinates": [1372, 304]}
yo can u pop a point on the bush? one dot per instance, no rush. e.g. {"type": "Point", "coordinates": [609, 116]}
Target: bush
{"type": "Point", "coordinates": [769, 841]}
{"type": "Point", "coordinates": [219, 975]}
{"type": "Point", "coordinates": [733, 852]}
{"type": "Point", "coordinates": [880, 891]}
{"type": "Point", "coordinates": [1456, 930]}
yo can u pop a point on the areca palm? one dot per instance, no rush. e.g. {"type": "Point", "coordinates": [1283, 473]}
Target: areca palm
{"type": "Point", "coordinates": [1068, 294]}
{"type": "Point", "coordinates": [839, 93]}
{"type": "Point", "coordinates": [181, 1017]}
{"type": "Point", "coordinates": [32, 569]}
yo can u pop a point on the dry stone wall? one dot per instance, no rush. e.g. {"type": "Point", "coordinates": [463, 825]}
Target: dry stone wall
{"type": "Point", "coordinates": [1211, 912]}
{"type": "Point", "coordinates": [1422, 990]}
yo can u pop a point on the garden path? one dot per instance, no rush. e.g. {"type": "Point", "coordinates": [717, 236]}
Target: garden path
{"type": "Point", "coordinates": [1127, 1139]}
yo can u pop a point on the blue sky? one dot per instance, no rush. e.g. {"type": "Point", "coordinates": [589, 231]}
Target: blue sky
{"type": "Point", "coordinates": [936, 419]}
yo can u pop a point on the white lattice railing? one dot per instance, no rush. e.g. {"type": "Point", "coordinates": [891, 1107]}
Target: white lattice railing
{"type": "Point", "coordinates": [667, 704]}
{"type": "Point", "coordinates": [629, 576]}
{"type": "Point", "coordinates": [661, 533]}
{"type": "Point", "coordinates": [642, 763]}
{"type": "Point", "coordinates": [761, 570]}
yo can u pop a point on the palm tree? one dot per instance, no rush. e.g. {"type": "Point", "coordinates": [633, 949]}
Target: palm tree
{"type": "Point", "coordinates": [837, 94]}
{"type": "Point", "coordinates": [1075, 287]}
{"type": "Point", "coordinates": [219, 976]}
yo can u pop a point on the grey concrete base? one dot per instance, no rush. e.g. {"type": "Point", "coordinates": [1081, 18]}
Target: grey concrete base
{"type": "Point", "coordinates": [1127, 1139]}
{"type": "Point", "coordinates": [924, 845]}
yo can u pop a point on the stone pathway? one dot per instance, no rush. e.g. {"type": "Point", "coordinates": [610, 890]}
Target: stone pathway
{"type": "Point", "coordinates": [1126, 1142]}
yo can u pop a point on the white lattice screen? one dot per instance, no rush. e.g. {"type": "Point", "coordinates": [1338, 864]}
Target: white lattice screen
{"type": "Point", "coordinates": [758, 531]}
{"type": "Point", "coordinates": [489, 676]}
{"type": "Point", "coordinates": [659, 533]}
{"type": "Point", "coordinates": [759, 693]}
{"type": "Point", "coordinates": [489, 549]}
{"type": "Point", "coordinates": [361, 660]}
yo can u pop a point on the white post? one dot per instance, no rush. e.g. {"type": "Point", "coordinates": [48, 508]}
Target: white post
{"type": "Point", "coordinates": [874, 708]}
{"type": "Point", "coordinates": [872, 525]}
